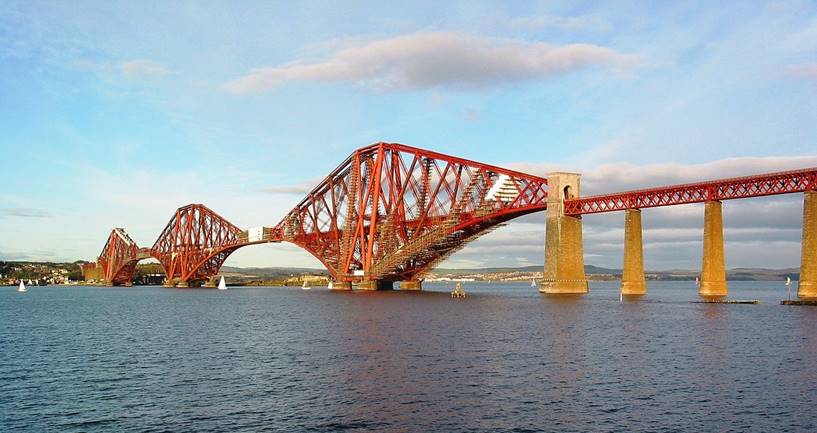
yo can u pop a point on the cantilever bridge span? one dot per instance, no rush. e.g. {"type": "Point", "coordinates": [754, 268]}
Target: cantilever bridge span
{"type": "Point", "coordinates": [388, 213]}
{"type": "Point", "coordinates": [391, 212]}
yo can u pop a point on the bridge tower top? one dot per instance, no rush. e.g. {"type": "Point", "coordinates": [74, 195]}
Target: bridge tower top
{"type": "Point", "coordinates": [562, 186]}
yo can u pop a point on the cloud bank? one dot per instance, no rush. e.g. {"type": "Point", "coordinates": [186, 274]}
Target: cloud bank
{"type": "Point", "coordinates": [592, 23]}
{"type": "Point", "coordinates": [615, 177]}
{"type": "Point", "coordinates": [301, 188]}
{"type": "Point", "coordinates": [142, 68]}
{"type": "Point", "coordinates": [806, 70]}
{"type": "Point", "coordinates": [24, 212]}
{"type": "Point", "coordinates": [438, 59]}
{"type": "Point", "coordinates": [758, 232]}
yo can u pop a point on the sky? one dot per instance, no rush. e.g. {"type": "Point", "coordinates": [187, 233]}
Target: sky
{"type": "Point", "coordinates": [114, 114]}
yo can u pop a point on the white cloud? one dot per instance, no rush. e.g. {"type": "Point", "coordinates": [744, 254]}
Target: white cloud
{"type": "Point", "coordinates": [135, 70]}
{"type": "Point", "coordinates": [761, 232]}
{"type": "Point", "coordinates": [438, 59]}
{"type": "Point", "coordinates": [142, 68]}
{"type": "Point", "coordinates": [805, 70]}
{"type": "Point", "coordinates": [614, 177]}
{"type": "Point", "coordinates": [24, 212]}
{"type": "Point", "coordinates": [301, 188]}
{"type": "Point", "coordinates": [592, 23]}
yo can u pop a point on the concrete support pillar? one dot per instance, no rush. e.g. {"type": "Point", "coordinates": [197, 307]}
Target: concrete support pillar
{"type": "Point", "coordinates": [808, 255]}
{"type": "Point", "coordinates": [411, 285]}
{"type": "Point", "coordinates": [632, 277]}
{"type": "Point", "coordinates": [375, 285]}
{"type": "Point", "coordinates": [564, 252]}
{"type": "Point", "coordinates": [713, 271]}
{"type": "Point", "coordinates": [341, 285]}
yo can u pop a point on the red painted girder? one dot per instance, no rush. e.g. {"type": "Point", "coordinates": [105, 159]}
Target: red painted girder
{"type": "Point", "coordinates": [389, 198]}
{"type": "Point", "coordinates": [322, 187]}
{"type": "Point", "coordinates": [784, 182]}
{"type": "Point", "coordinates": [195, 243]}
{"type": "Point", "coordinates": [118, 257]}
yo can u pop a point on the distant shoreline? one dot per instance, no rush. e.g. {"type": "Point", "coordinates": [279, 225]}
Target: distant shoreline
{"type": "Point", "coordinates": [62, 273]}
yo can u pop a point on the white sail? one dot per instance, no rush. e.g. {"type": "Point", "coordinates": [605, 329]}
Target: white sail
{"type": "Point", "coordinates": [22, 287]}
{"type": "Point", "coordinates": [222, 285]}
{"type": "Point", "coordinates": [788, 281]}
{"type": "Point", "coordinates": [331, 285]}
{"type": "Point", "coordinates": [305, 286]}
{"type": "Point", "coordinates": [533, 282]}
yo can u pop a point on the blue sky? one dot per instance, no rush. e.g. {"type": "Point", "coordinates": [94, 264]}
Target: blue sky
{"type": "Point", "coordinates": [115, 113]}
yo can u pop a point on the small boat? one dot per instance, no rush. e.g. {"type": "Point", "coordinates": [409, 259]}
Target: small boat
{"type": "Point", "coordinates": [222, 285]}
{"type": "Point", "coordinates": [788, 281]}
{"type": "Point", "coordinates": [458, 291]}
{"type": "Point", "coordinates": [697, 281]}
{"type": "Point", "coordinates": [533, 282]}
{"type": "Point", "coordinates": [305, 286]}
{"type": "Point", "coordinates": [30, 283]}
{"type": "Point", "coordinates": [331, 285]}
{"type": "Point", "coordinates": [22, 287]}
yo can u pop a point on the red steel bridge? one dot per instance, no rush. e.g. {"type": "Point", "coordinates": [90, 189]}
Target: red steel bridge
{"type": "Point", "coordinates": [391, 212]}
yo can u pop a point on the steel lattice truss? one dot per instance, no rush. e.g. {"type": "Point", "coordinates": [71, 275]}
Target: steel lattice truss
{"type": "Point", "coordinates": [195, 243]}
{"type": "Point", "coordinates": [118, 257]}
{"type": "Point", "coordinates": [392, 212]}
{"type": "Point", "coordinates": [724, 189]}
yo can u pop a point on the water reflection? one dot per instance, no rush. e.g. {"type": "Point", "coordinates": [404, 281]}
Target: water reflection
{"type": "Point", "coordinates": [504, 358]}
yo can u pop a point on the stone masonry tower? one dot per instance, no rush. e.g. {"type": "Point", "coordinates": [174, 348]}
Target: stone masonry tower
{"type": "Point", "coordinates": [564, 253]}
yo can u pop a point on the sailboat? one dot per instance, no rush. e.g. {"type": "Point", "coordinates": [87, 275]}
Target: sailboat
{"type": "Point", "coordinates": [533, 282]}
{"type": "Point", "coordinates": [305, 286]}
{"type": "Point", "coordinates": [788, 288]}
{"type": "Point", "coordinates": [331, 285]}
{"type": "Point", "coordinates": [222, 285]}
{"type": "Point", "coordinates": [22, 287]}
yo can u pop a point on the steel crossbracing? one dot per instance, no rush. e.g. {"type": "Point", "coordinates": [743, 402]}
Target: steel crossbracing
{"type": "Point", "coordinates": [118, 257]}
{"type": "Point", "coordinates": [388, 212]}
{"type": "Point", "coordinates": [391, 212]}
{"type": "Point", "coordinates": [195, 243]}
{"type": "Point", "coordinates": [724, 189]}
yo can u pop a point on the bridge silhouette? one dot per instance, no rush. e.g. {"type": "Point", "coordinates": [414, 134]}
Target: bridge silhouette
{"type": "Point", "coordinates": [392, 212]}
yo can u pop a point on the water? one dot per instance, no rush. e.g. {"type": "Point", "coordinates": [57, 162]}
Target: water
{"type": "Point", "coordinates": [505, 359]}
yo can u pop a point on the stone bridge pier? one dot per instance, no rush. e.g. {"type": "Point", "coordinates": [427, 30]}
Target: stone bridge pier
{"type": "Point", "coordinates": [564, 252]}
{"type": "Point", "coordinates": [808, 256]}
{"type": "Point", "coordinates": [632, 276]}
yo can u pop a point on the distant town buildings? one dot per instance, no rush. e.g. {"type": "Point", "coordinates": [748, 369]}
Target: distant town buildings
{"type": "Point", "coordinates": [39, 273]}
